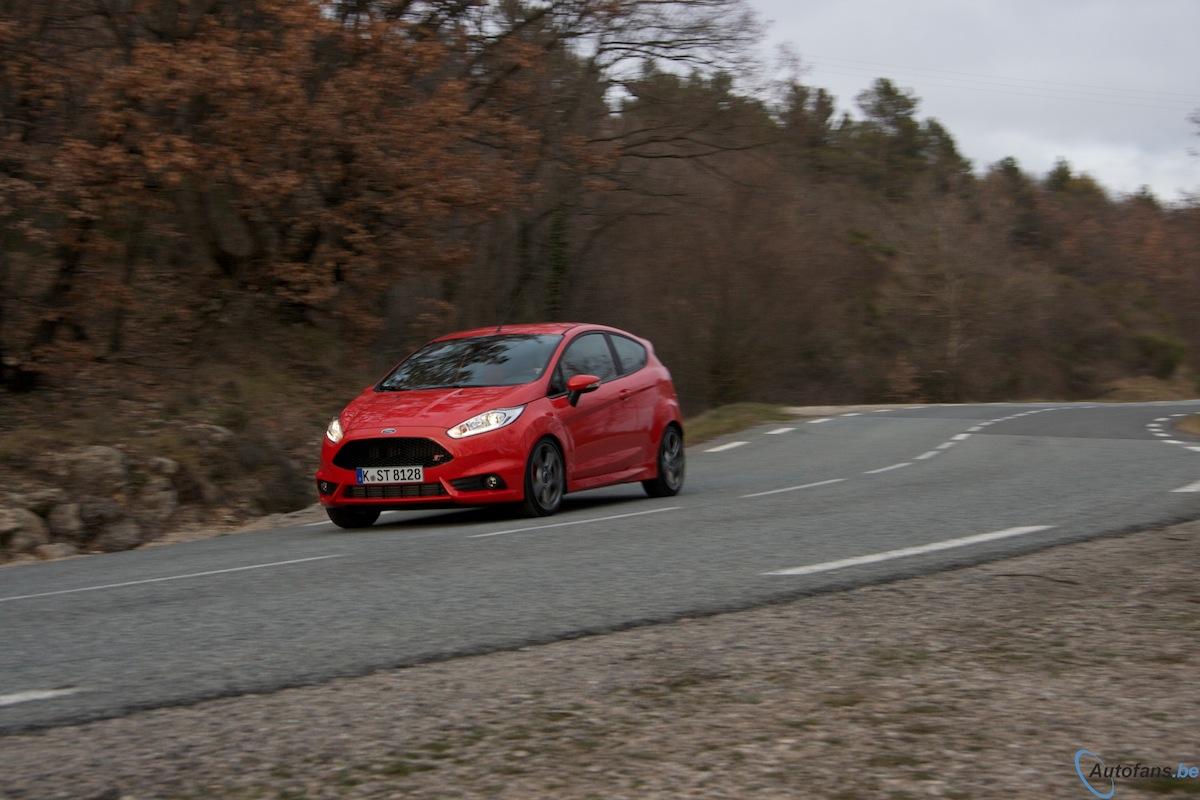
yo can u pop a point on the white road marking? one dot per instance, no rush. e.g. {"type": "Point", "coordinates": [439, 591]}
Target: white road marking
{"type": "Point", "coordinates": [1191, 487]}
{"type": "Point", "coordinates": [958, 437]}
{"type": "Point", "coordinates": [928, 455]}
{"type": "Point", "coordinates": [723, 447]}
{"type": "Point", "coordinates": [795, 488]}
{"type": "Point", "coordinates": [34, 694]}
{"type": "Point", "coordinates": [170, 578]}
{"type": "Point", "coordinates": [853, 414]}
{"type": "Point", "coordinates": [946, 445]}
{"type": "Point", "coordinates": [314, 524]}
{"type": "Point", "coordinates": [1163, 435]}
{"type": "Point", "coordinates": [881, 410]}
{"type": "Point", "coordinates": [1197, 449]}
{"type": "Point", "coordinates": [1171, 441]}
{"type": "Point", "coordinates": [905, 552]}
{"type": "Point", "coordinates": [1162, 419]}
{"type": "Point", "coordinates": [574, 522]}
{"type": "Point", "coordinates": [888, 469]}
{"type": "Point", "coordinates": [1179, 415]}
{"type": "Point", "coordinates": [778, 431]}
{"type": "Point", "coordinates": [977, 428]}
{"type": "Point", "coordinates": [819, 421]}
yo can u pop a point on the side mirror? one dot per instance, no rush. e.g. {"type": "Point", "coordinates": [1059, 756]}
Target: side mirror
{"type": "Point", "coordinates": [578, 385]}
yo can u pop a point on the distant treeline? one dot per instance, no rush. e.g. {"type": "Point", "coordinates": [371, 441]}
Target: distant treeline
{"type": "Point", "coordinates": [336, 181]}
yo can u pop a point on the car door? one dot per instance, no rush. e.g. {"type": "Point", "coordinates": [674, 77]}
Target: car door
{"type": "Point", "coordinates": [596, 422]}
{"type": "Point", "coordinates": [637, 390]}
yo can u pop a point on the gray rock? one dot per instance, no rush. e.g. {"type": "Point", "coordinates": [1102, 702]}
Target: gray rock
{"type": "Point", "coordinates": [94, 470]}
{"type": "Point", "coordinates": [65, 522]}
{"type": "Point", "coordinates": [162, 466]}
{"type": "Point", "coordinates": [39, 501]}
{"type": "Point", "coordinates": [205, 434]}
{"type": "Point", "coordinates": [55, 550]}
{"type": "Point", "coordinates": [21, 530]}
{"type": "Point", "coordinates": [156, 502]}
{"type": "Point", "coordinates": [98, 511]}
{"type": "Point", "coordinates": [123, 535]}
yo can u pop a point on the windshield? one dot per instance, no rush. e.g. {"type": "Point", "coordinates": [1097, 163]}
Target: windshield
{"type": "Point", "coordinates": [502, 360]}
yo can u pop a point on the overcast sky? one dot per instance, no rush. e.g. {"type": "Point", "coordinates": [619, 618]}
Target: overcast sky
{"type": "Point", "coordinates": [1106, 84]}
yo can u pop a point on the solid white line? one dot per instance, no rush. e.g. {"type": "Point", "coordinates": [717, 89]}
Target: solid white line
{"type": "Point", "coordinates": [575, 522]}
{"type": "Point", "coordinates": [819, 421]}
{"type": "Point", "coordinates": [958, 437]}
{"type": "Point", "coordinates": [722, 447]}
{"type": "Point", "coordinates": [34, 694]}
{"type": "Point", "coordinates": [928, 455]}
{"type": "Point", "coordinates": [905, 552]}
{"type": "Point", "coordinates": [169, 578]}
{"type": "Point", "coordinates": [778, 431]}
{"type": "Point", "coordinates": [888, 469]}
{"type": "Point", "coordinates": [1191, 487]}
{"type": "Point", "coordinates": [794, 488]}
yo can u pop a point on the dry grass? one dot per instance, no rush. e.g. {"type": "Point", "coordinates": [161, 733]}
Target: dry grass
{"type": "Point", "coordinates": [734, 417]}
{"type": "Point", "coordinates": [1146, 388]}
{"type": "Point", "coordinates": [1189, 424]}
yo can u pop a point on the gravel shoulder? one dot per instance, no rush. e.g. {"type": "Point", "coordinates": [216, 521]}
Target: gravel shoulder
{"type": "Point", "coordinates": [976, 682]}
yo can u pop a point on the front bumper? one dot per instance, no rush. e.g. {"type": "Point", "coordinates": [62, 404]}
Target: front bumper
{"type": "Point", "coordinates": [501, 453]}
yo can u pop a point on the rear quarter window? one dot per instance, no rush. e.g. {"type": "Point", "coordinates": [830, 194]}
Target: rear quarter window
{"type": "Point", "coordinates": [631, 354]}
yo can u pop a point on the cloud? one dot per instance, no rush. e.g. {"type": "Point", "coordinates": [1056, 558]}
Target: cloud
{"type": "Point", "coordinates": [1106, 84]}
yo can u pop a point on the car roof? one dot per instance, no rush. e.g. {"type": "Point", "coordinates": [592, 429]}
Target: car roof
{"type": "Point", "coordinates": [533, 328]}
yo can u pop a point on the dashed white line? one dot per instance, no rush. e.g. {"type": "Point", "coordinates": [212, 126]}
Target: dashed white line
{"type": "Point", "coordinates": [1161, 419]}
{"type": "Point", "coordinates": [905, 552]}
{"type": "Point", "coordinates": [1191, 487]}
{"type": "Point", "coordinates": [170, 578]}
{"type": "Point", "coordinates": [928, 455]}
{"type": "Point", "coordinates": [778, 431]}
{"type": "Point", "coordinates": [1195, 449]}
{"type": "Point", "coordinates": [819, 421]}
{"type": "Point", "coordinates": [881, 410]}
{"type": "Point", "coordinates": [888, 469]}
{"type": "Point", "coordinates": [574, 522]}
{"type": "Point", "coordinates": [794, 488]}
{"type": "Point", "coordinates": [852, 414]}
{"type": "Point", "coordinates": [946, 445]}
{"type": "Point", "coordinates": [958, 437]}
{"type": "Point", "coordinates": [723, 447]}
{"type": "Point", "coordinates": [35, 694]}
{"type": "Point", "coordinates": [1162, 435]}
{"type": "Point", "coordinates": [1171, 441]}
{"type": "Point", "coordinates": [977, 428]}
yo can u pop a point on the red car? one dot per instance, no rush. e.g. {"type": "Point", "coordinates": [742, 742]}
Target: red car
{"type": "Point", "coordinates": [510, 414]}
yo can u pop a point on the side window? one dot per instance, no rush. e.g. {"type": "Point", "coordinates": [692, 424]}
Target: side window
{"type": "Point", "coordinates": [588, 355]}
{"type": "Point", "coordinates": [558, 384]}
{"type": "Point", "coordinates": [631, 354]}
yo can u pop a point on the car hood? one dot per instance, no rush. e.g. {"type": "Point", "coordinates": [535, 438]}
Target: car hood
{"type": "Point", "coordinates": [442, 408]}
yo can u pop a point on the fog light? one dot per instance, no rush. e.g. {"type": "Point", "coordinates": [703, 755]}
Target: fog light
{"type": "Point", "coordinates": [491, 481]}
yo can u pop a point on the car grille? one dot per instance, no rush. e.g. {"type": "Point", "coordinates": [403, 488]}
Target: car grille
{"type": "Point", "coordinates": [398, 452]}
{"type": "Point", "coordinates": [388, 490]}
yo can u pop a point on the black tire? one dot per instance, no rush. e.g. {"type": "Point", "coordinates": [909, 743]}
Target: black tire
{"type": "Point", "coordinates": [353, 517]}
{"type": "Point", "coordinates": [671, 465]}
{"type": "Point", "coordinates": [545, 479]}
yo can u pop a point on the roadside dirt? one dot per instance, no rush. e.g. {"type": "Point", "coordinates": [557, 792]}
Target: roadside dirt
{"type": "Point", "coordinates": [979, 682]}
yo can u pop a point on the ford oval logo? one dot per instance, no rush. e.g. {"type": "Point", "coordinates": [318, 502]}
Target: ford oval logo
{"type": "Point", "coordinates": [388, 430]}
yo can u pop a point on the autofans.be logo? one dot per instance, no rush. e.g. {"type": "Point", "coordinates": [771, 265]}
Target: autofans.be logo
{"type": "Point", "coordinates": [1101, 779]}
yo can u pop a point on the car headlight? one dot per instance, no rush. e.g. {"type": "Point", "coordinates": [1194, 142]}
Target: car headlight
{"type": "Point", "coordinates": [334, 431]}
{"type": "Point", "coordinates": [487, 421]}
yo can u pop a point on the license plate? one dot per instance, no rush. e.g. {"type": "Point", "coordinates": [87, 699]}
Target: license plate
{"type": "Point", "coordinates": [390, 475]}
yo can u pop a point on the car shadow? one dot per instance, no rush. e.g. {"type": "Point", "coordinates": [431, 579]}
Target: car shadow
{"type": "Point", "coordinates": [420, 519]}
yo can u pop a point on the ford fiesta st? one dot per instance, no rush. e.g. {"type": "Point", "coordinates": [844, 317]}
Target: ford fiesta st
{"type": "Point", "coordinates": [511, 414]}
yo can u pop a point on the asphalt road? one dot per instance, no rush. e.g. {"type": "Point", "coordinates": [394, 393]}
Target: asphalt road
{"type": "Point", "coordinates": [795, 508]}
